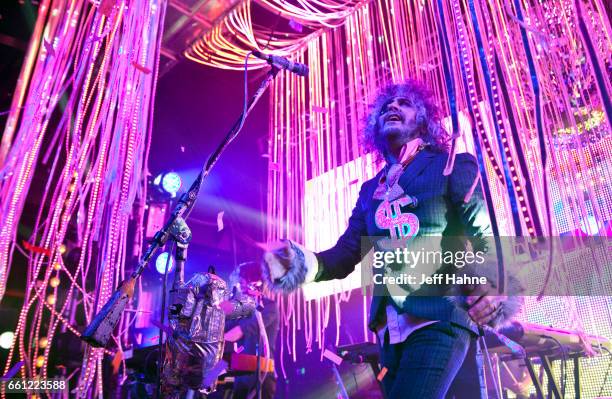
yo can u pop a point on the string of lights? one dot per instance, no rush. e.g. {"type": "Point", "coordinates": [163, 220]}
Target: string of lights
{"type": "Point", "coordinates": [83, 130]}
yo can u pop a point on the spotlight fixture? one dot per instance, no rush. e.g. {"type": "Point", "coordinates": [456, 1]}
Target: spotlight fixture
{"type": "Point", "coordinates": [169, 183]}
{"type": "Point", "coordinates": [160, 262]}
{"type": "Point", "coordinates": [6, 339]}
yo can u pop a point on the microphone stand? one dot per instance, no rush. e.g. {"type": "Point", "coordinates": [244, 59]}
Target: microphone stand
{"type": "Point", "coordinates": [98, 332]}
{"type": "Point", "coordinates": [480, 364]}
{"type": "Point", "coordinates": [257, 367]}
{"type": "Point", "coordinates": [181, 235]}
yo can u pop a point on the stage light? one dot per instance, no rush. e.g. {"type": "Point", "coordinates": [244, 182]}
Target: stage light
{"type": "Point", "coordinates": [171, 182]}
{"type": "Point", "coordinates": [43, 342]}
{"type": "Point", "coordinates": [160, 263]}
{"type": "Point", "coordinates": [6, 339]}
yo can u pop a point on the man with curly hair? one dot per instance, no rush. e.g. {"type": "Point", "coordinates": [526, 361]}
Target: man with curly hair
{"type": "Point", "coordinates": [419, 193]}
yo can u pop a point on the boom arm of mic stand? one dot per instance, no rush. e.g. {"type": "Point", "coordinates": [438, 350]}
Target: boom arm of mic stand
{"type": "Point", "coordinates": [98, 332]}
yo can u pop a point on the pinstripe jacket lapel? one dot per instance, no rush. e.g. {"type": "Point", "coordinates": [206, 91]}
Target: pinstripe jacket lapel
{"type": "Point", "coordinates": [414, 168]}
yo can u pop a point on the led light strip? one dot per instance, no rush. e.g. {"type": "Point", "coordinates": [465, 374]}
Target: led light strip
{"type": "Point", "coordinates": [101, 61]}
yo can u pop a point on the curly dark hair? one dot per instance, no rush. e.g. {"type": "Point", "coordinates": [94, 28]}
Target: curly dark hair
{"type": "Point", "coordinates": [428, 116]}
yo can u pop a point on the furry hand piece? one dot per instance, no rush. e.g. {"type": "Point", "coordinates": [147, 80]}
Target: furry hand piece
{"type": "Point", "coordinates": [296, 266]}
{"type": "Point", "coordinates": [513, 290]}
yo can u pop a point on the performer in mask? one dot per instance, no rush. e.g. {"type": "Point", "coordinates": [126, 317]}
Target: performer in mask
{"type": "Point", "coordinates": [248, 333]}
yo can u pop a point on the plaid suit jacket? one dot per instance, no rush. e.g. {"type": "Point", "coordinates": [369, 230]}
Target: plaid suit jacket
{"type": "Point", "coordinates": [447, 206]}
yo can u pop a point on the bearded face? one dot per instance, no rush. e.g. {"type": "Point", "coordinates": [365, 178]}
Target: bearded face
{"type": "Point", "coordinates": [397, 121]}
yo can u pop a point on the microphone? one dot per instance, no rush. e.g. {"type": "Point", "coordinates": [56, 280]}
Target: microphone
{"type": "Point", "coordinates": [282, 63]}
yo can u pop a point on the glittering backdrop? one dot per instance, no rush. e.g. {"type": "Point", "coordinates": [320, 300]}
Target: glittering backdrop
{"type": "Point", "coordinates": [82, 120]}
{"type": "Point", "coordinates": [525, 84]}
